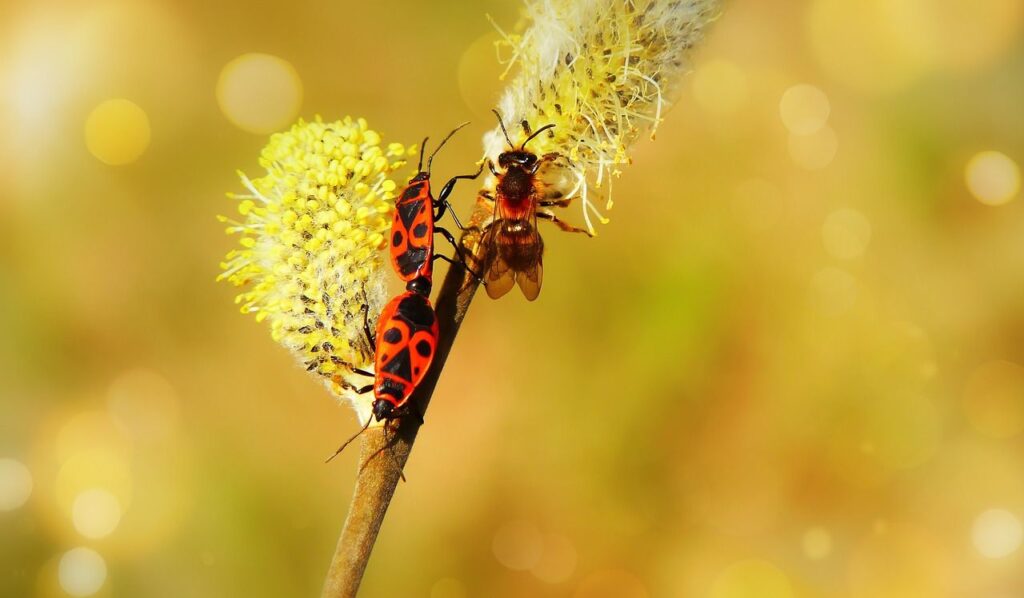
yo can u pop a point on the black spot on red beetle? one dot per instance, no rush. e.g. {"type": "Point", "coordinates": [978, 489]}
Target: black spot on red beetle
{"type": "Point", "coordinates": [392, 335]}
{"type": "Point", "coordinates": [420, 231]}
{"type": "Point", "coordinates": [423, 348]}
{"type": "Point", "coordinates": [396, 238]}
{"type": "Point", "coordinates": [399, 366]}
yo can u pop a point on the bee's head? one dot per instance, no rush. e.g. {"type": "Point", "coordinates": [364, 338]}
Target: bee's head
{"type": "Point", "coordinates": [517, 158]}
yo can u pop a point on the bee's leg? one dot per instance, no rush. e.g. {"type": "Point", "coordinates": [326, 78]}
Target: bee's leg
{"type": "Point", "coordinates": [561, 223]}
{"type": "Point", "coordinates": [551, 157]}
{"type": "Point", "coordinates": [556, 199]}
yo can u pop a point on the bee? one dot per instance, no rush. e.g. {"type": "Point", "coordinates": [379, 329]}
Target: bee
{"type": "Point", "coordinates": [514, 249]}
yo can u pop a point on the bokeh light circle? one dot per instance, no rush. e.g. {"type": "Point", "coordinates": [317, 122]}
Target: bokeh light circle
{"type": "Point", "coordinates": [259, 93]}
{"type": "Point", "coordinates": [751, 579]}
{"type": "Point", "coordinates": [558, 559]}
{"type": "Point", "coordinates": [92, 453]}
{"type": "Point", "coordinates": [817, 543]}
{"type": "Point", "coordinates": [997, 533]}
{"type": "Point", "coordinates": [992, 177]}
{"type": "Point", "coordinates": [15, 484]}
{"type": "Point", "coordinates": [117, 132]}
{"type": "Point", "coordinates": [846, 234]}
{"type": "Point", "coordinates": [804, 109]}
{"type": "Point", "coordinates": [518, 545]}
{"type": "Point", "coordinates": [448, 587]}
{"type": "Point", "coordinates": [96, 513]}
{"type": "Point", "coordinates": [82, 572]}
{"type": "Point", "coordinates": [814, 151]}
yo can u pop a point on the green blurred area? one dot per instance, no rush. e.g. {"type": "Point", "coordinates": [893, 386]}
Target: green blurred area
{"type": "Point", "coordinates": [791, 365]}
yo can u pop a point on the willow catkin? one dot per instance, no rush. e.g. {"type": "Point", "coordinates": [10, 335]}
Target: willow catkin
{"type": "Point", "coordinates": [312, 232]}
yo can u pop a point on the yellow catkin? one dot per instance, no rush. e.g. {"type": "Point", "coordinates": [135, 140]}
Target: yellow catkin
{"type": "Point", "coordinates": [603, 72]}
{"type": "Point", "coordinates": [310, 256]}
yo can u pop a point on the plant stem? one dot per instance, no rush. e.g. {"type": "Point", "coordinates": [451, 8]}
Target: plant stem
{"type": "Point", "coordinates": [382, 464]}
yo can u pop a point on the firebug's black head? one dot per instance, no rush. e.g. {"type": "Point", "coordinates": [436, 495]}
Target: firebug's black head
{"type": "Point", "coordinates": [382, 409]}
{"type": "Point", "coordinates": [420, 177]}
{"type": "Point", "coordinates": [420, 284]}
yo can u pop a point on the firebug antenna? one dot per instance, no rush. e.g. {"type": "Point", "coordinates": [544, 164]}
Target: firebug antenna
{"type": "Point", "coordinates": [349, 441]}
{"type": "Point", "coordinates": [443, 141]}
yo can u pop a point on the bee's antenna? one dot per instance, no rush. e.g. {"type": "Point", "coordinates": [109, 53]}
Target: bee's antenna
{"type": "Point", "coordinates": [443, 141]}
{"type": "Point", "coordinates": [502, 124]}
{"type": "Point", "coordinates": [535, 133]}
{"type": "Point", "coordinates": [423, 146]}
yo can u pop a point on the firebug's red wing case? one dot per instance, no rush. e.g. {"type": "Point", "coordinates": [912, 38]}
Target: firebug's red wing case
{"type": "Point", "coordinates": [406, 343]}
{"type": "Point", "coordinates": [412, 231]}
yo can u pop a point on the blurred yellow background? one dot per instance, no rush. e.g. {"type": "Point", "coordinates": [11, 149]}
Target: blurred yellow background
{"type": "Point", "coordinates": [791, 365]}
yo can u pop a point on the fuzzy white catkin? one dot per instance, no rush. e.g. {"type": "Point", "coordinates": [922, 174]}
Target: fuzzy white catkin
{"type": "Point", "coordinates": [603, 72]}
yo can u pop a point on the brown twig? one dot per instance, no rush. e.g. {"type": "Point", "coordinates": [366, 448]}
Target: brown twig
{"type": "Point", "coordinates": [380, 473]}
